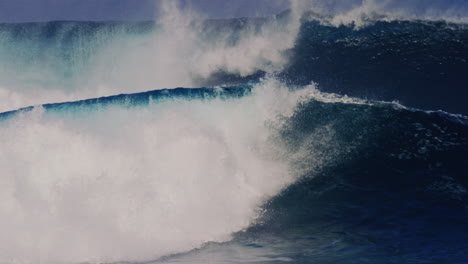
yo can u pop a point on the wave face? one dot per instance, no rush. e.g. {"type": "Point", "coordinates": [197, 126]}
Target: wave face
{"type": "Point", "coordinates": [277, 139]}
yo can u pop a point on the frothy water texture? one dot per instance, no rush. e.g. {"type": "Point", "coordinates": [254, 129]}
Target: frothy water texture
{"type": "Point", "coordinates": [138, 184]}
{"type": "Point", "coordinates": [258, 166]}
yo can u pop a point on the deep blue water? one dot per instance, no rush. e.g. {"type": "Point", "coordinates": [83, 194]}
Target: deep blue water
{"type": "Point", "coordinates": [392, 183]}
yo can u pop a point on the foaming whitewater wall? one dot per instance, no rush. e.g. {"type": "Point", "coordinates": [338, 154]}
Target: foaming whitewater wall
{"type": "Point", "coordinates": [116, 183]}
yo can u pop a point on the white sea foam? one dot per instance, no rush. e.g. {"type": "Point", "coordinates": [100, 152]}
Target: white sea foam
{"type": "Point", "coordinates": [135, 184]}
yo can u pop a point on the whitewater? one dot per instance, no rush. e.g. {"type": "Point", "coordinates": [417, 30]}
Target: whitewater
{"type": "Point", "coordinates": [315, 135]}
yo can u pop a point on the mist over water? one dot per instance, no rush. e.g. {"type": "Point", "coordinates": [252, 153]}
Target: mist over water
{"type": "Point", "coordinates": [67, 62]}
{"type": "Point", "coordinates": [259, 166]}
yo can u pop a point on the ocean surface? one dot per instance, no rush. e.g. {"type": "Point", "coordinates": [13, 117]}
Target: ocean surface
{"type": "Point", "coordinates": [285, 139]}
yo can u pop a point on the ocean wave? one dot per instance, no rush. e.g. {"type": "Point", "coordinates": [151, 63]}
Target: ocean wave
{"type": "Point", "coordinates": [310, 135]}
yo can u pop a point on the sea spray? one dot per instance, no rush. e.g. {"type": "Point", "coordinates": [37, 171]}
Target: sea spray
{"type": "Point", "coordinates": [138, 183]}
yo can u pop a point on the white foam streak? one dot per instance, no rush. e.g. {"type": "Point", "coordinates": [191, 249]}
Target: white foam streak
{"type": "Point", "coordinates": [122, 184]}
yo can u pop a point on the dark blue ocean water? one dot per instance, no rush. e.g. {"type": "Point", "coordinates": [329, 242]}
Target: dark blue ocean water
{"type": "Point", "coordinates": [391, 184]}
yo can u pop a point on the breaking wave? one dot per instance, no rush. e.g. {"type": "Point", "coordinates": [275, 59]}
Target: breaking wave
{"type": "Point", "coordinates": [296, 137]}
